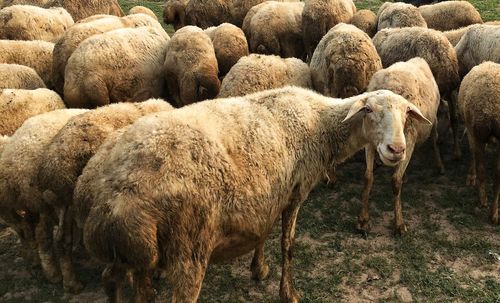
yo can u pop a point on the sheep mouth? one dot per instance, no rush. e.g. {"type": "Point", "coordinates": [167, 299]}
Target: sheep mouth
{"type": "Point", "coordinates": [389, 161]}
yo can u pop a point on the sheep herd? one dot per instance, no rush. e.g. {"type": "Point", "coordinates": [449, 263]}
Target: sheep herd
{"type": "Point", "coordinates": [263, 100]}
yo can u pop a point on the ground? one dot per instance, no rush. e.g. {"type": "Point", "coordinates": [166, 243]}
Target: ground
{"type": "Point", "coordinates": [450, 254]}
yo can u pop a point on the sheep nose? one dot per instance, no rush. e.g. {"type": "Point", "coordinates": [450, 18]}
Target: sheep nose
{"type": "Point", "coordinates": [396, 149]}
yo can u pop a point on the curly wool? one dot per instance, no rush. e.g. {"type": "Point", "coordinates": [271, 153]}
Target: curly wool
{"type": "Point", "coordinates": [19, 76]}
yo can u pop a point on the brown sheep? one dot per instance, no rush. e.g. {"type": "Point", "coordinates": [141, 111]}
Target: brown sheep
{"type": "Point", "coordinates": [174, 12]}
{"type": "Point", "coordinates": [207, 13]}
{"type": "Point", "coordinates": [41, 3]}
{"type": "Point", "coordinates": [365, 20]}
{"type": "Point", "coordinates": [81, 9]}
{"type": "Point", "coordinates": [448, 15]}
{"type": "Point", "coordinates": [19, 76]}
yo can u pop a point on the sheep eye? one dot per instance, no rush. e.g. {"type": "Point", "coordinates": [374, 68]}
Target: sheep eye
{"type": "Point", "coordinates": [368, 110]}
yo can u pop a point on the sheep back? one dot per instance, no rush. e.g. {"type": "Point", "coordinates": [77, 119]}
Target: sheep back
{"type": "Point", "coordinates": [399, 15]}
{"type": "Point", "coordinates": [19, 76]}
{"type": "Point", "coordinates": [207, 13]}
{"type": "Point", "coordinates": [82, 9]}
{"type": "Point", "coordinates": [450, 15]}
{"type": "Point", "coordinates": [142, 10]}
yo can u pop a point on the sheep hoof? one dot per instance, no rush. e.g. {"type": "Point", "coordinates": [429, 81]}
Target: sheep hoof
{"type": "Point", "coordinates": [261, 273]}
{"type": "Point", "coordinates": [471, 180]}
{"type": "Point", "coordinates": [494, 218]}
{"type": "Point", "coordinates": [363, 227]}
{"type": "Point", "coordinates": [73, 287]}
{"type": "Point", "coordinates": [400, 230]}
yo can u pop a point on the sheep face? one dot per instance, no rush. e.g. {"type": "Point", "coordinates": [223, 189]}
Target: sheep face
{"type": "Point", "coordinates": [384, 116]}
{"type": "Point", "coordinates": [175, 13]}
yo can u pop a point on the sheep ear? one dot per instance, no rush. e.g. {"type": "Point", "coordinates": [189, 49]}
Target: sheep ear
{"type": "Point", "coordinates": [415, 113]}
{"type": "Point", "coordinates": [355, 108]}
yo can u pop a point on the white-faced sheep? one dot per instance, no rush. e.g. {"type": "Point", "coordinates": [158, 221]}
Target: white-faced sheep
{"type": "Point", "coordinates": [455, 35]}
{"type": "Point", "coordinates": [17, 105]}
{"type": "Point", "coordinates": [35, 54]}
{"type": "Point", "coordinates": [82, 9]}
{"type": "Point", "coordinates": [142, 10]}
{"type": "Point", "coordinates": [81, 31]}
{"type": "Point", "coordinates": [66, 156]}
{"type": "Point", "coordinates": [414, 81]}
{"type": "Point", "coordinates": [344, 62]}
{"type": "Point", "coordinates": [191, 67]}
{"type": "Point", "coordinates": [275, 28]}
{"type": "Point", "coordinates": [19, 194]}
{"type": "Point", "coordinates": [319, 16]}
{"type": "Point", "coordinates": [27, 22]}
{"type": "Point", "coordinates": [230, 44]}
{"type": "Point", "coordinates": [401, 44]}
{"type": "Point", "coordinates": [185, 192]}
{"type": "Point", "coordinates": [479, 44]}
{"type": "Point", "coordinates": [365, 20]}
{"type": "Point", "coordinates": [174, 12]}
{"type": "Point", "coordinates": [478, 101]}
{"type": "Point", "coordinates": [256, 73]}
{"type": "Point", "coordinates": [117, 66]}
{"type": "Point", "coordinates": [399, 15]}
{"type": "Point", "coordinates": [19, 76]}
{"type": "Point", "coordinates": [450, 15]}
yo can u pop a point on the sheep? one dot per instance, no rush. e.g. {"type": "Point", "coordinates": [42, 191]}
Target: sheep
{"type": "Point", "coordinates": [455, 35]}
{"type": "Point", "coordinates": [18, 193]}
{"type": "Point", "coordinates": [82, 9]}
{"type": "Point", "coordinates": [117, 66]}
{"type": "Point", "coordinates": [256, 73]}
{"type": "Point", "coordinates": [142, 10]}
{"type": "Point", "coordinates": [399, 15]}
{"type": "Point", "coordinates": [19, 76]}
{"type": "Point", "coordinates": [40, 3]}
{"type": "Point", "coordinates": [240, 8]}
{"type": "Point", "coordinates": [267, 34]}
{"type": "Point", "coordinates": [365, 20]}
{"type": "Point", "coordinates": [66, 156]}
{"type": "Point", "coordinates": [319, 16]}
{"type": "Point", "coordinates": [344, 62]}
{"type": "Point", "coordinates": [17, 105]}
{"type": "Point", "coordinates": [185, 192]}
{"type": "Point", "coordinates": [450, 15]}
{"type": "Point", "coordinates": [81, 31]}
{"type": "Point", "coordinates": [478, 101]}
{"type": "Point", "coordinates": [207, 13]}
{"type": "Point", "coordinates": [35, 54]}
{"type": "Point", "coordinates": [191, 67]}
{"type": "Point", "coordinates": [27, 22]}
{"type": "Point", "coordinates": [230, 44]}
{"type": "Point", "coordinates": [480, 43]}
{"type": "Point", "coordinates": [174, 12]}
{"type": "Point", "coordinates": [401, 44]}
{"type": "Point", "coordinates": [414, 81]}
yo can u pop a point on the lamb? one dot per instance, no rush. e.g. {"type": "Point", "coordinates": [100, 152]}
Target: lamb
{"type": "Point", "coordinates": [400, 44]}
{"type": "Point", "coordinates": [19, 76]}
{"type": "Point", "coordinates": [344, 62]}
{"type": "Point", "coordinates": [27, 22]}
{"type": "Point", "coordinates": [414, 81]}
{"type": "Point", "coordinates": [230, 44]}
{"type": "Point", "coordinates": [365, 20]}
{"type": "Point", "coordinates": [267, 34]}
{"type": "Point", "coordinates": [455, 35]}
{"type": "Point", "coordinates": [256, 73]}
{"type": "Point", "coordinates": [66, 156]}
{"type": "Point", "coordinates": [82, 9]}
{"type": "Point", "coordinates": [81, 31]}
{"type": "Point", "coordinates": [185, 192]}
{"type": "Point", "coordinates": [174, 12]}
{"type": "Point", "coordinates": [117, 66]}
{"type": "Point", "coordinates": [191, 67]}
{"type": "Point", "coordinates": [17, 105]}
{"type": "Point", "coordinates": [20, 199]}
{"type": "Point", "coordinates": [450, 15]}
{"type": "Point", "coordinates": [142, 10]}
{"type": "Point", "coordinates": [35, 54]}
{"type": "Point", "coordinates": [478, 101]}
{"type": "Point", "coordinates": [479, 44]}
{"type": "Point", "coordinates": [399, 15]}
{"type": "Point", "coordinates": [319, 16]}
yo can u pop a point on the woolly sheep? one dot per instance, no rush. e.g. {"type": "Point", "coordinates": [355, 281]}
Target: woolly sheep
{"type": "Point", "coordinates": [81, 31]}
{"type": "Point", "coordinates": [19, 76]}
{"type": "Point", "coordinates": [230, 44]}
{"type": "Point", "coordinates": [479, 105]}
{"type": "Point", "coordinates": [82, 9]}
{"type": "Point", "coordinates": [256, 73]}
{"type": "Point", "coordinates": [18, 171]}
{"type": "Point", "coordinates": [480, 43]}
{"type": "Point", "coordinates": [268, 34]}
{"type": "Point", "coordinates": [399, 15]}
{"type": "Point", "coordinates": [185, 192]}
{"type": "Point", "coordinates": [455, 35]}
{"type": "Point", "coordinates": [41, 3]}
{"type": "Point", "coordinates": [17, 105]}
{"type": "Point", "coordinates": [344, 62]}
{"type": "Point", "coordinates": [450, 15]}
{"type": "Point", "coordinates": [319, 16]}
{"type": "Point", "coordinates": [117, 66]}
{"type": "Point", "coordinates": [142, 10]}
{"type": "Point", "coordinates": [35, 54]}
{"type": "Point", "coordinates": [401, 44]}
{"type": "Point", "coordinates": [66, 156]}
{"type": "Point", "coordinates": [174, 12]}
{"type": "Point", "coordinates": [207, 13]}
{"type": "Point", "coordinates": [27, 22]}
{"type": "Point", "coordinates": [191, 67]}
{"type": "Point", "coordinates": [414, 81]}
{"type": "Point", "coordinates": [365, 20]}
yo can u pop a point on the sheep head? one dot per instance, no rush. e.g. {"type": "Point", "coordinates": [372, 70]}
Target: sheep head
{"type": "Point", "coordinates": [174, 12]}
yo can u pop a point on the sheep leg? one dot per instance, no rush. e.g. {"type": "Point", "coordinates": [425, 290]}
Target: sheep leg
{"type": "Point", "coordinates": [397, 184]}
{"type": "Point", "coordinates": [454, 125]}
{"type": "Point", "coordinates": [496, 195]}
{"type": "Point", "coordinates": [479, 149]}
{"type": "Point", "coordinates": [259, 267]}
{"type": "Point", "coordinates": [28, 239]}
{"type": "Point", "coordinates": [289, 217]}
{"type": "Point", "coordinates": [364, 216]}
{"type": "Point", "coordinates": [44, 239]}
{"type": "Point", "coordinates": [65, 250]}
{"type": "Point", "coordinates": [435, 147]}
{"type": "Point", "coordinates": [113, 278]}
{"type": "Point", "coordinates": [189, 279]}
{"type": "Point", "coordinates": [143, 287]}
{"type": "Point", "coordinates": [471, 176]}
